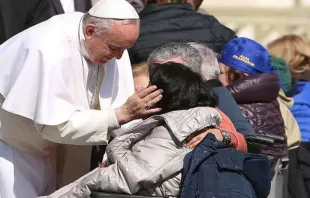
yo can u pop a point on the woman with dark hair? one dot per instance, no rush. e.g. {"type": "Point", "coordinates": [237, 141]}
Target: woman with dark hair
{"type": "Point", "coordinates": [148, 158]}
{"type": "Point", "coordinates": [183, 88]}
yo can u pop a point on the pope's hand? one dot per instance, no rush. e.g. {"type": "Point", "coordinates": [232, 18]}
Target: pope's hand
{"type": "Point", "coordinates": [139, 105]}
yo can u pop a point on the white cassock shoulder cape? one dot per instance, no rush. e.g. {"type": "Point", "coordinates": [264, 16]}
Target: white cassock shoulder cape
{"type": "Point", "coordinates": [42, 76]}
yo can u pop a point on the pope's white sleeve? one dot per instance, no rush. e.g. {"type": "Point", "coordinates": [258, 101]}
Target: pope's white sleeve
{"type": "Point", "coordinates": [90, 127]}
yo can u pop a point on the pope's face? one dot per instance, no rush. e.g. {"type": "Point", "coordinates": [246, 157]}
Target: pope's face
{"type": "Point", "coordinates": [112, 43]}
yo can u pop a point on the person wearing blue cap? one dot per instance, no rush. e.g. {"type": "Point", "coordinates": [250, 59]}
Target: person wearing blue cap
{"type": "Point", "coordinates": [246, 56]}
{"type": "Point", "coordinates": [248, 74]}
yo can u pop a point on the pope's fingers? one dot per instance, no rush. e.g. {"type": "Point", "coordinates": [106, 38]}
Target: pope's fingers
{"type": "Point", "coordinates": [154, 101]}
{"type": "Point", "coordinates": [147, 91]}
{"type": "Point", "coordinates": [152, 111]}
{"type": "Point", "coordinates": [153, 95]}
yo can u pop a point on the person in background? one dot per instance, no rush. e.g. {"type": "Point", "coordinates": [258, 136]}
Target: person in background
{"type": "Point", "coordinates": [202, 60]}
{"type": "Point", "coordinates": [248, 74]}
{"type": "Point", "coordinates": [296, 52]}
{"type": "Point", "coordinates": [18, 15]}
{"type": "Point", "coordinates": [140, 75]}
{"type": "Point", "coordinates": [166, 21]}
{"type": "Point", "coordinates": [283, 71]}
{"type": "Point", "coordinates": [137, 4]}
{"type": "Point", "coordinates": [291, 126]}
{"type": "Point", "coordinates": [66, 6]}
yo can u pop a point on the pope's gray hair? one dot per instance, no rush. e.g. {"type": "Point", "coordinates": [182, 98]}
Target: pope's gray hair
{"type": "Point", "coordinates": [196, 56]}
{"type": "Point", "coordinates": [103, 25]}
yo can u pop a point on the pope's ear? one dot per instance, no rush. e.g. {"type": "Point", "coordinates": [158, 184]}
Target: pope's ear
{"type": "Point", "coordinates": [90, 29]}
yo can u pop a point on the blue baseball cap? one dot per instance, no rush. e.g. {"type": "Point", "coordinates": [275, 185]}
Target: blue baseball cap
{"type": "Point", "coordinates": [247, 56]}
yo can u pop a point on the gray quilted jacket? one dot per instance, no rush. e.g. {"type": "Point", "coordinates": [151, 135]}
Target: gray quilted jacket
{"type": "Point", "coordinates": [147, 159]}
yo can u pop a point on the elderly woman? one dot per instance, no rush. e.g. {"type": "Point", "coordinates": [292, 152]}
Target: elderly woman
{"type": "Point", "coordinates": [148, 159]}
{"type": "Point", "coordinates": [247, 72]}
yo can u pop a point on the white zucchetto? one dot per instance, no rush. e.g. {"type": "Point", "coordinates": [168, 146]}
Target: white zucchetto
{"type": "Point", "coordinates": [113, 9]}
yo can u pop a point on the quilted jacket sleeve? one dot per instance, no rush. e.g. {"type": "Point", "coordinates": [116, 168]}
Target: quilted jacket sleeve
{"type": "Point", "coordinates": [117, 178]}
{"type": "Point", "coordinates": [147, 155]}
{"type": "Point", "coordinates": [128, 175]}
{"type": "Point", "coordinates": [135, 168]}
{"type": "Point", "coordinates": [121, 144]}
{"type": "Point", "coordinates": [131, 171]}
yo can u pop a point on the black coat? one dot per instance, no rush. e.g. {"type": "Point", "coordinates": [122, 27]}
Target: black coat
{"type": "Point", "coordinates": [162, 23]}
{"type": "Point", "coordinates": [299, 172]}
{"type": "Point", "coordinates": [18, 15]}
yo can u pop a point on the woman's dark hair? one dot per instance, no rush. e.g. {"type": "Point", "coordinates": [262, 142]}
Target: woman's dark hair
{"type": "Point", "coordinates": [182, 88]}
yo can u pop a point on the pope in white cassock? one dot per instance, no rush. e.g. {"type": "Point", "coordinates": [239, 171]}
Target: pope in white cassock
{"type": "Point", "coordinates": [67, 80]}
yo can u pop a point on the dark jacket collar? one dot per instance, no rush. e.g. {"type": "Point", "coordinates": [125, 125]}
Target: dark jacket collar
{"type": "Point", "coordinates": [159, 7]}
